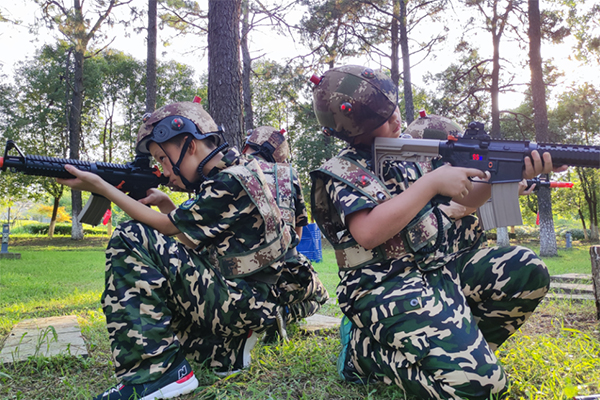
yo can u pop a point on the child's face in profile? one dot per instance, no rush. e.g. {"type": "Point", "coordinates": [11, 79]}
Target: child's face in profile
{"type": "Point", "coordinates": [392, 128]}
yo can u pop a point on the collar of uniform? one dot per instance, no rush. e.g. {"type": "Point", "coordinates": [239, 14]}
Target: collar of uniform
{"type": "Point", "coordinates": [361, 154]}
{"type": "Point", "coordinates": [232, 157]}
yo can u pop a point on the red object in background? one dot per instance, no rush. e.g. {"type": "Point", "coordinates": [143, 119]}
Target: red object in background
{"type": "Point", "coordinates": [106, 217]}
{"type": "Point", "coordinates": [315, 79]}
{"type": "Point", "coordinates": [537, 220]}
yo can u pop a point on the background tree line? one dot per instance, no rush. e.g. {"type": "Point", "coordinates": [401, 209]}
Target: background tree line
{"type": "Point", "coordinates": [81, 98]}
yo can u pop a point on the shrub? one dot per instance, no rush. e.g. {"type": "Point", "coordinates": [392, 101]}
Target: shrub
{"type": "Point", "coordinates": [63, 229]}
{"type": "Point", "coordinates": [577, 234]}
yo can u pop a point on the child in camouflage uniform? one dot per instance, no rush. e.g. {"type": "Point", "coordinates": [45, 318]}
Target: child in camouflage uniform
{"type": "Point", "coordinates": [206, 294]}
{"type": "Point", "coordinates": [301, 292]}
{"type": "Point", "coordinates": [425, 304]}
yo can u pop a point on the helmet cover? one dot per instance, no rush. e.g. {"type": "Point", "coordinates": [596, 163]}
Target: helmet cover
{"type": "Point", "coordinates": [270, 143]}
{"type": "Point", "coordinates": [350, 101]}
{"type": "Point", "coordinates": [433, 127]}
{"type": "Point", "coordinates": [175, 119]}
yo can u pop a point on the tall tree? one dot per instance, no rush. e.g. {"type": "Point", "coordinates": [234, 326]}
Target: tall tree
{"type": "Point", "coordinates": [548, 246]}
{"type": "Point", "coordinates": [578, 111]}
{"type": "Point", "coordinates": [497, 16]}
{"type": "Point", "coordinates": [151, 59]}
{"type": "Point", "coordinates": [78, 29]}
{"type": "Point", "coordinates": [246, 66]}
{"type": "Point", "coordinates": [462, 91]}
{"type": "Point", "coordinates": [224, 69]}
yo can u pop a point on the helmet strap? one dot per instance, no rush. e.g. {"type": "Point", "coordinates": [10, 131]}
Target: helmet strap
{"type": "Point", "coordinates": [176, 166]}
{"type": "Point", "coordinates": [209, 157]}
{"type": "Point", "coordinates": [265, 151]}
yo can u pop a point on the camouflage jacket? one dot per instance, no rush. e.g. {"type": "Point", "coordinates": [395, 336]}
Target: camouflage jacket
{"type": "Point", "coordinates": [284, 184]}
{"type": "Point", "coordinates": [235, 217]}
{"type": "Point", "coordinates": [345, 184]}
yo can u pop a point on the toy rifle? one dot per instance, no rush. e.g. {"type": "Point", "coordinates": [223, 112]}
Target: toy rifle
{"type": "Point", "coordinates": [134, 178]}
{"type": "Point", "coordinates": [503, 159]}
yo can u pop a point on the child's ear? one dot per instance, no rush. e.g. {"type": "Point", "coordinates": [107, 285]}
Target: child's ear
{"type": "Point", "coordinates": [192, 147]}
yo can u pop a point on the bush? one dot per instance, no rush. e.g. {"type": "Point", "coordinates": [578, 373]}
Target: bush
{"type": "Point", "coordinates": [63, 229]}
{"type": "Point", "coordinates": [577, 234]}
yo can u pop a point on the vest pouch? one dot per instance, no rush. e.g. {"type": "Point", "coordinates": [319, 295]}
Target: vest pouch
{"type": "Point", "coordinates": [423, 232]}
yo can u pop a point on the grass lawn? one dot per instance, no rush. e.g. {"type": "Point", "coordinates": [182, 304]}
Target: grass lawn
{"type": "Point", "coordinates": [554, 356]}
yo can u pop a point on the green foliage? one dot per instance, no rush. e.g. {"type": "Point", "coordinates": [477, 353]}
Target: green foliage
{"type": "Point", "coordinates": [63, 229]}
{"type": "Point", "coordinates": [332, 29]}
{"type": "Point", "coordinates": [559, 359]}
{"type": "Point", "coordinates": [462, 91]}
{"type": "Point", "coordinates": [552, 359]}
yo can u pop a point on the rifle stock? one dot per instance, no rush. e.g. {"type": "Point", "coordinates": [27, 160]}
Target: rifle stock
{"type": "Point", "coordinates": [134, 178]}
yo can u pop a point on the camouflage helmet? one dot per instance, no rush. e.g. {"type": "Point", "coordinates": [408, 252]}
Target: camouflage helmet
{"type": "Point", "coordinates": [350, 101]}
{"type": "Point", "coordinates": [175, 119]}
{"type": "Point", "coordinates": [433, 127]}
{"type": "Point", "coordinates": [269, 143]}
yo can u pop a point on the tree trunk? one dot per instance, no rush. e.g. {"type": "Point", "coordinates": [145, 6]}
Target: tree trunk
{"type": "Point", "coordinates": [582, 218]}
{"type": "Point", "coordinates": [548, 247]}
{"type": "Point", "coordinates": [75, 137]}
{"type": "Point", "coordinates": [53, 218]}
{"type": "Point", "coordinates": [394, 32]}
{"type": "Point", "coordinates": [406, 77]}
{"type": "Point", "coordinates": [495, 87]}
{"type": "Point", "coordinates": [502, 238]}
{"type": "Point", "coordinates": [224, 75]}
{"type": "Point", "coordinates": [151, 58]}
{"type": "Point", "coordinates": [246, 70]}
{"type": "Point", "coordinates": [595, 258]}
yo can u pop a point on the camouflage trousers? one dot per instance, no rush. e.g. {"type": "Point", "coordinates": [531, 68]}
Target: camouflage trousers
{"type": "Point", "coordinates": [434, 333]}
{"type": "Point", "coordinates": [163, 301]}
{"type": "Point", "coordinates": [300, 289]}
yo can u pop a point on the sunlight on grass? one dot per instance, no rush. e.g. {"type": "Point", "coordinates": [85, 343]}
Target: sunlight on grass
{"type": "Point", "coordinates": [545, 367]}
{"type": "Point", "coordinates": [69, 304]}
{"type": "Point", "coordinates": [554, 356]}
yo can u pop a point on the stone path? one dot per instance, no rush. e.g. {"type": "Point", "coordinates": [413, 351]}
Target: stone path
{"type": "Point", "coordinates": [34, 337]}
{"type": "Point", "coordinates": [575, 287]}
{"type": "Point", "coordinates": [320, 322]}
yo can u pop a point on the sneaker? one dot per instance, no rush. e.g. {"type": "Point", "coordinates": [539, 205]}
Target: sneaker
{"type": "Point", "coordinates": [175, 382]}
{"type": "Point", "coordinates": [242, 362]}
{"type": "Point", "coordinates": [279, 330]}
{"type": "Point", "coordinates": [345, 366]}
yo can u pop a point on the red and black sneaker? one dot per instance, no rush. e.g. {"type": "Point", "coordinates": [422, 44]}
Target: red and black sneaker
{"type": "Point", "coordinates": [176, 381]}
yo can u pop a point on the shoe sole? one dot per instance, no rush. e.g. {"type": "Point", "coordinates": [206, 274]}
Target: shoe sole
{"type": "Point", "coordinates": [185, 385]}
{"type": "Point", "coordinates": [281, 327]}
{"type": "Point", "coordinates": [251, 341]}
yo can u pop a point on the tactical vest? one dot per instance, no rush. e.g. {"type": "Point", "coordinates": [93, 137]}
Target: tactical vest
{"type": "Point", "coordinates": [349, 254]}
{"type": "Point", "coordinates": [279, 178]}
{"type": "Point", "coordinates": [277, 240]}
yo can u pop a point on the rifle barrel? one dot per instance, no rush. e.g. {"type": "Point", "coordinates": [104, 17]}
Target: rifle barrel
{"type": "Point", "coordinates": [571, 154]}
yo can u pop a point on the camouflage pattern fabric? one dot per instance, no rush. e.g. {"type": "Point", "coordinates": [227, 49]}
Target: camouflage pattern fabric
{"type": "Point", "coordinates": [357, 186]}
{"type": "Point", "coordinates": [351, 100]}
{"type": "Point", "coordinates": [272, 142]}
{"type": "Point", "coordinates": [433, 332]}
{"type": "Point", "coordinates": [433, 127]}
{"type": "Point", "coordinates": [209, 219]}
{"type": "Point", "coordinates": [299, 287]}
{"type": "Point", "coordinates": [163, 298]}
